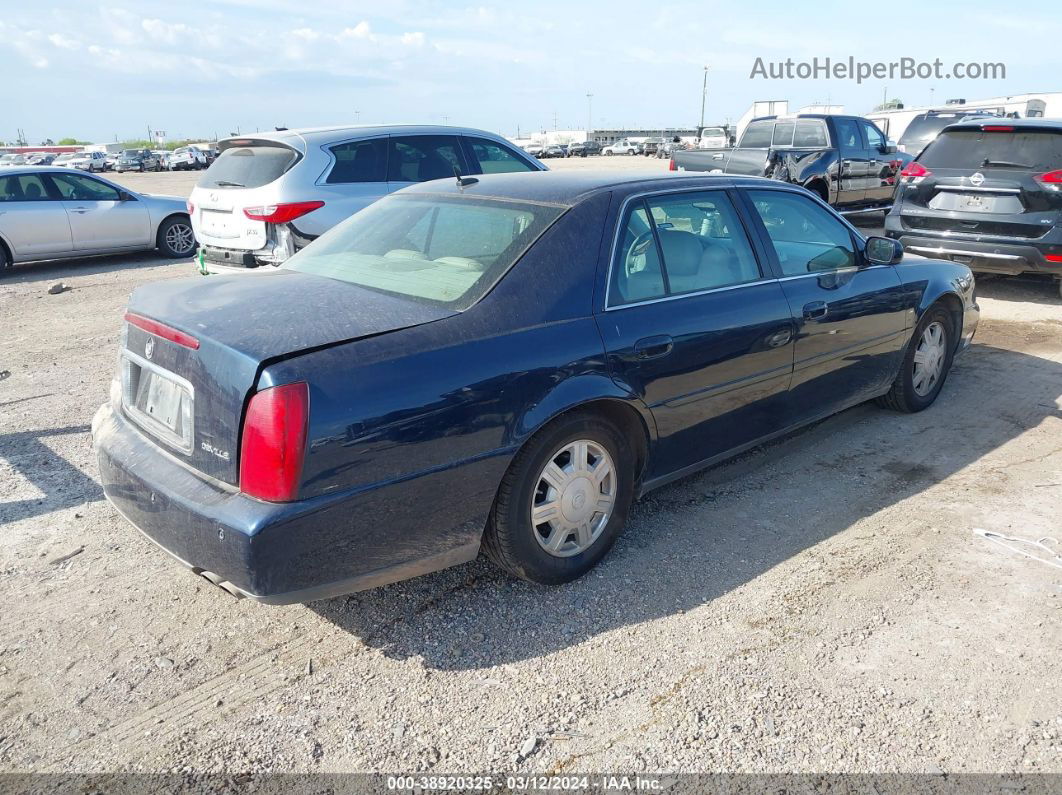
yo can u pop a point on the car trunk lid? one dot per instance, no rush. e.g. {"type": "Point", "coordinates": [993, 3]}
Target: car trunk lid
{"type": "Point", "coordinates": [192, 350]}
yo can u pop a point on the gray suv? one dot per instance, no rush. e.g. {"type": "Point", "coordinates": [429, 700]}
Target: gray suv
{"type": "Point", "coordinates": [986, 193]}
{"type": "Point", "coordinates": [268, 195]}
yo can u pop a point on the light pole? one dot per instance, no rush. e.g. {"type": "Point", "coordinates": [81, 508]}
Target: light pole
{"type": "Point", "coordinates": [589, 114]}
{"type": "Point", "coordinates": [704, 95]}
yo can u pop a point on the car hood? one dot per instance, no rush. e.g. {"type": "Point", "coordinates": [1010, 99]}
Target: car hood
{"type": "Point", "coordinates": [274, 314]}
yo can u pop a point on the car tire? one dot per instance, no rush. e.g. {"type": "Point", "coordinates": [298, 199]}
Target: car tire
{"type": "Point", "coordinates": [5, 259]}
{"type": "Point", "coordinates": [515, 544]}
{"type": "Point", "coordinates": [910, 391]}
{"type": "Point", "coordinates": [173, 236]}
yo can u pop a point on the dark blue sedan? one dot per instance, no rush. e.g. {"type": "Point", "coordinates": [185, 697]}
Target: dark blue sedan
{"type": "Point", "coordinates": [502, 364]}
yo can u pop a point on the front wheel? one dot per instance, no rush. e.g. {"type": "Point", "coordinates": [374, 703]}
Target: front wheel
{"type": "Point", "coordinates": [176, 238]}
{"type": "Point", "coordinates": [925, 364]}
{"type": "Point", "coordinates": [563, 502]}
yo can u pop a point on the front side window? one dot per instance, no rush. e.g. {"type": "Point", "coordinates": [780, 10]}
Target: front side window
{"type": "Point", "coordinates": [875, 140]}
{"type": "Point", "coordinates": [419, 158]}
{"type": "Point", "coordinates": [434, 249]}
{"type": "Point", "coordinates": [699, 244]}
{"type": "Point", "coordinates": [806, 237]}
{"type": "Point", "coordinates": [23, 188]}
{"type": "Point", "coordinates": [496, 159]}
{"type": "Point", "coordinates": [359, 161]}
{"type": "Point", "coordinates": [74, 187]}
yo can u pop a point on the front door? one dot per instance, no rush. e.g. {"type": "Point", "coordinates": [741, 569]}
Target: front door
{"type": "Point", "coordinates": [881, 166]}
{"type": "Point", "coordinates": [695, 328]}
{"type": "Point", "coordinates": [852, 167]}
{"type": "Point", "coordinates": [850, 316]}
{"type": "Point", "coordinates": [99, 218]}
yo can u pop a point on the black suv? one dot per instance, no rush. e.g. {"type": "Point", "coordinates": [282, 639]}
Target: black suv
{"type": "Point", "coordinates": [584, 148]}
{"type": "Point", "coordinates": [924, 127]}
{"type": "Point", "coordinates": [988, 194]}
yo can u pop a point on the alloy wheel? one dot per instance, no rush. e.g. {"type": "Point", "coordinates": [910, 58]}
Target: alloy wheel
{"type": "Point", "coordinates": [929, 359]}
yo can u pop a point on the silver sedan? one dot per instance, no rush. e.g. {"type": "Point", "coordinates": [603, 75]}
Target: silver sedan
{"type": "Point", "coordinates": [54, 213]}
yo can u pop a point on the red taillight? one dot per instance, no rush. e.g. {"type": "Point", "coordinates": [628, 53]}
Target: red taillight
{"type": "Point", "coordinates": [190, 207]}
{"type": "Point", "coordinates": [274, 435]}
{"type": "Point", "coordinates": [672, 166]}
{"type": "Point", "coordinates": [998, 128]}
{"type": "Point", "coordinates": [281, 213]}
{"type": "Point", "coordinates": [1052, 180]}
{"type": "Point", "coordinates": [162, 330]}
{"type": "Point", "coordinates": [1053, 257]}
{"type": "Point", "coordinates": [915, 169]}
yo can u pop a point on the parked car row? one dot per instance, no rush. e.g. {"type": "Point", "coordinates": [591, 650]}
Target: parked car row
{"type": "Point", "coordinates": [183, 158]}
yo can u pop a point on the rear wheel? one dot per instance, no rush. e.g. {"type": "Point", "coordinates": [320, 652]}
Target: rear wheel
{"type": "Point", "coordinates": [176, 238]}
{"type": "Point", "coordinates": [5, 258]}
{"type": "Point", "coordinates": [925, 364]}
{"type": "Point", "coordinates": [563, 502]}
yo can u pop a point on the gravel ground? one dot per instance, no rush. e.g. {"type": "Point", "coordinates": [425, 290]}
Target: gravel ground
{"type": "Point", "coordinates": [819, 604]}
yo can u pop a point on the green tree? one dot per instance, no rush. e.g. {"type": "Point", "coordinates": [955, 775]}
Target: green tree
{"type": "Point", "coordinates": [72, 142]}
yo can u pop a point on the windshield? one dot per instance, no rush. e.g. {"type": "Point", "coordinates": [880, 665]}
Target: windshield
{"type": "Point", "coordinates": [67, 156]}
{"type": "Point", "coordinates": [250, 166]}
{"type": "Point", "coordinates": [131, 153]}
{"type": "Point", "coordinates": [975, 149]}
{"type": "Point", "coordinates": [434, 249]}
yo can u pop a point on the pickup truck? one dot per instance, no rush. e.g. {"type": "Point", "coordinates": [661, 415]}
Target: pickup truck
{"type": "Point", "coordinates": [845, 160]}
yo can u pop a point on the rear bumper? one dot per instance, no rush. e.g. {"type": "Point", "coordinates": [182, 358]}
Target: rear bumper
{"type": "Point", "coordinates": [996, 255]}
{"type": "Point", "coordinates": [274, 553]}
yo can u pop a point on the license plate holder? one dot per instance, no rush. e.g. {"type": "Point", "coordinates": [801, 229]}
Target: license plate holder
{"type": "Point", "coordinates": [219, 223]}
{"type": "Point", "coordinates": [159, 401]}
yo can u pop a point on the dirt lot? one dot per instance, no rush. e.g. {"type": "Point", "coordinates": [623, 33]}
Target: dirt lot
{"type": "Point", "coordinates": [820, 604]}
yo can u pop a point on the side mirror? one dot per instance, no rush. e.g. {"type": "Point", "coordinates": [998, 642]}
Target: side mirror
{"type": "Point", "coordinates": [125, 196]}
{"type": "Point", "coordinates": [883, 251]}
{"type": "Point", "coordinates": [889, 148]}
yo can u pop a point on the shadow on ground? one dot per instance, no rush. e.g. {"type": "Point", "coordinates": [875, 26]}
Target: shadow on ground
{"type": "Point", "coordinates": [696, 540]}
{"type": "Point", "coordinates": [56, 270]}
{"type": "Point", "coordinates": [62, 484]}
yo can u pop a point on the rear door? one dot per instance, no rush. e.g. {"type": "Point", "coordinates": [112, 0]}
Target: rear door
{"type": "Point", "coordinates": [750, 156]}
{"type": "Point", "coordinates": [695, 326]}
{"type": "Point", "coordinates": [853, 165]}
{"type": "Point", "coordinates": [850, 316]}
{"type": "Point", "coordinates": [33, 220]}
{"type": "Point", "coordinates": [99, 218]}
{"type": "Point", "coordinates": [987, 181]}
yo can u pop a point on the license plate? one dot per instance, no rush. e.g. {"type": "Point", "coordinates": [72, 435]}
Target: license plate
{"type": "Point", "coordinates": [977, 204]}
{"type": "Point", "coordinates": [159, 398]}
{"type": "Point", "coordinates": [218, 223]}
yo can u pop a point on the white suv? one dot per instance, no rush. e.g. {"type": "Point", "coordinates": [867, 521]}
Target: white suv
{"type": "Point", "coordinates": [268, 195]}
{"type": "Point", "coordinates": [624, 146]}
{"type": "Point", "coordinates": [85, 161]}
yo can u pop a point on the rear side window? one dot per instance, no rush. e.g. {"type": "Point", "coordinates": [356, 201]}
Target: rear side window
{"type": "Point", "coordinates": [418, 158]}
{"type": "Point", "coordinates": [757, 134]}
{"type": "Point", "coordinates": [23, 188]}
{"type": "Point", "coordinates": [976, 149]}
{"type": "Point", "coordinates": [848, 139]}
{"type": "Point", "coordinates": [809, 134]}
{"type": "Point", "coordinates": [497, 159]}
{"type": "Point", "coordinates": [359, 161]}
{"type": "Point", "coordinates": [251, 166]}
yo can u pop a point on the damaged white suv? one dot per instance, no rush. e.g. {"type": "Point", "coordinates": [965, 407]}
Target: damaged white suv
{"type": "Point", "coordinates": [268, 195]}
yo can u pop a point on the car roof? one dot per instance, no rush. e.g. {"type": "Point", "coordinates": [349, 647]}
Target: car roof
{"type": "Point", "coordinates": [572, 187]}
{"type": "Point", "coordinates": [318, 135]}
{"type": "Point", "coordinates": [1017, 124]}
{"type": "Point", "coordinates": [35, 170]}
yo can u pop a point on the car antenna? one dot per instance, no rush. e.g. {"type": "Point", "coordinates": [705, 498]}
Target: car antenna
{"type": "Point", "coordinates": [463, 181]}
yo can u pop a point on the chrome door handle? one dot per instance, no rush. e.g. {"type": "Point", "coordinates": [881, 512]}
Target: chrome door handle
{"type": "Point", "coordinates": [653, 347]}
{"type": "Point", "coordinates": [81, 210]}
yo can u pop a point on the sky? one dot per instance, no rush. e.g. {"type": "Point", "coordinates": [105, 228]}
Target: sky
{"type": "Point", "coordinates": [110, 70]}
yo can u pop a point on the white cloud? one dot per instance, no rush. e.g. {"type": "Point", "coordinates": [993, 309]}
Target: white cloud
{"type": "Point", "coordinates": [360, 31]}
{"type": "Point", "coordinates": [64, 42]}
{"type": "Point", "coordinates": [414, 39]}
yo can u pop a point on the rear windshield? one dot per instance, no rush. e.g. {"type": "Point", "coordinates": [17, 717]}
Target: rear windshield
{"type": "Point", "coordinates": [439, 250]}
{"type": "Point", "coordinates": [976, 149]}
{"type": "Point", "coordinates": [249, 166]}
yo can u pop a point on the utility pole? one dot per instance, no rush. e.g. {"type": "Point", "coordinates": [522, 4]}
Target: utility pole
{"type": "Point", "coordinates": [589, 114]}
{"type": "Point", "coordinates": [704, 96]}
{"type": "Point", "coordinates": [884, 97]}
